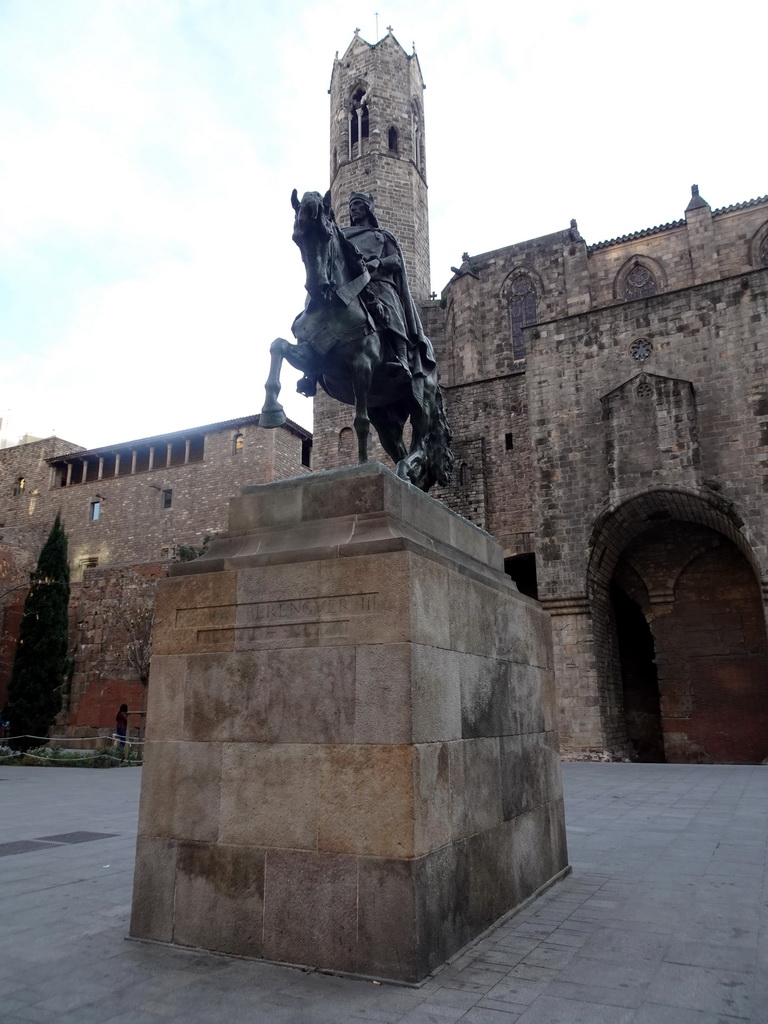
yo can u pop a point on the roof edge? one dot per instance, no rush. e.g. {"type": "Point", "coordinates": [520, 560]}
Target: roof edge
{"type": "Point", "coordinates": [206, 428]}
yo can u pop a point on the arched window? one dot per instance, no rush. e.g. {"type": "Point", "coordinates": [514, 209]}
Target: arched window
{"type": "Point", "coordinates": [464, 475]}
{"type": "Point", "coordinates": [346, 441]}
{"type": "Point", "coordinates": [392, 141]}
{"type": "Point", "coordinates": [19, 485]}
{"type": "Point", "coordinates": [238, 443]}
{"type": "Point", "coordinates": [358, 122]}
{"type": "Point", "coordinates": [639, 283]}
{"type": "Point", "coordinates": [417, 135]}
{"type": "Point", "coordinates": [758, 247]}
{"type": "Point", "coordinates": [640, 277]}
{"type": "Point", "coordinates": [522, 312]}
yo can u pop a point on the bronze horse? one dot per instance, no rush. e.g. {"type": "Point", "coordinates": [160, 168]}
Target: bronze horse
{"type": "Point", "coordinates": [339, 347]}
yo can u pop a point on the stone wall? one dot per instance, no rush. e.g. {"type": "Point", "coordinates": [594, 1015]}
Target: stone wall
{"type": "Point", "coordinates": [492, 442]}
{"type": "Point", "coordinates": [133, 521]}
{"type": "Point", "coordinates": [111, 614]}
{"type": "Point", "coordinates": [701, 443]}
{"type": "Point", "coordinates": [602, 414]}
{"type": "Point", "coordinates": [25, 476]}
{"type": "Point", "coordinates": [115, 559]}
{"type": "Point", "coordinates": [718, 334]}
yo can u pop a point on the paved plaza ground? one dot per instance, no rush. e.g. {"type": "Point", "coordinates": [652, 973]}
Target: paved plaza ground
{"type": "Point", "coordinates": [663, 921]}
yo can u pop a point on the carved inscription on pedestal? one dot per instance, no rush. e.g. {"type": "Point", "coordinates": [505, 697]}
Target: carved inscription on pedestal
{"type": "Point", "coordinates": [308, 618]}
{"type": "Point", "coordinates": [261, 623]}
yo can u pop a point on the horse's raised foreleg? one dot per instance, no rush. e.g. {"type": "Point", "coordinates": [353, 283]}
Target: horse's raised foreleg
{"type": "Point", "coordinates": [272, 413]}
{"type": "Point", "coordinates": [300, 356]}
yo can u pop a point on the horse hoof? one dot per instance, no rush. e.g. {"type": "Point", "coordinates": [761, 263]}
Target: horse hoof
{"type": "Point", "coordinates": [272, 417]}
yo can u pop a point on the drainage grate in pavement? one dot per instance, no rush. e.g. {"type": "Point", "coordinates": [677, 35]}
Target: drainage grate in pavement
{"type": "Point", "coordinates": [23, 846]}
{"type": "Point", "coordinates": [45, 842]}
{"type": "Point", "coordinates": [77, 837]}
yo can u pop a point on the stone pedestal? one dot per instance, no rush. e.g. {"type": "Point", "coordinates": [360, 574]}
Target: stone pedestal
{"type": "Point", "coordinates": [351, 760]}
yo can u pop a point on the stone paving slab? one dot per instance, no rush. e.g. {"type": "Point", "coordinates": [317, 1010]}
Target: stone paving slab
{"type": "Point", "coordinates": [663, 921]}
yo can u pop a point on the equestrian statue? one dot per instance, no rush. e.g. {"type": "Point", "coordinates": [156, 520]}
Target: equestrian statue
{"type": "Point", "coordinates": [360, 338]}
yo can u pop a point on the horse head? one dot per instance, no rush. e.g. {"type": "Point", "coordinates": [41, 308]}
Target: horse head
{"type": "Point", "coordinates": [314, 230]}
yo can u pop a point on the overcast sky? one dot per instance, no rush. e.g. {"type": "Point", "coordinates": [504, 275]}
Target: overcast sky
{"type": "Point", "coordinates": [149, 148]}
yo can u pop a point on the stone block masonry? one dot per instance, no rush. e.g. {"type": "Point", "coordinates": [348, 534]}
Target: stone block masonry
{"type": "Point", "coordinates": [126, 509]}
{"type": "Point", "coordinates": [351, 762]}
{"type": "Point", "coordinates": [139, 500]}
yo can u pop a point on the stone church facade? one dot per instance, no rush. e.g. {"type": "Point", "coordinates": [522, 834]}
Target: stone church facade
{"type": "Point", "coordinates": [610, 409]}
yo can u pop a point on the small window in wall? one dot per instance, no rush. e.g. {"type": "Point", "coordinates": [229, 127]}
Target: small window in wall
{"type": "Point", "coordinates": [306, 452]}
{"type": "Point", "coordinates": [416, 134]}
{"type": "Point", "coordinates": [392, 141]}
{"type": "Point", "coordinates": [166, 498]}
{"type": "Point", "coordinates": [18, 487]}
{"type": "Point", "coordinates": [95, 512]}
{"type": "Point", "coordinates": [465, 477]}
{"type": "Point", "coordinates": [238, 443]}
{"type": "Point", "coordinates": [509, 442]}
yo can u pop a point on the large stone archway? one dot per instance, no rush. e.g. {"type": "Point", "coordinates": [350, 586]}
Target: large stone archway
{"type": "Point", "coordinates": [684, 562]}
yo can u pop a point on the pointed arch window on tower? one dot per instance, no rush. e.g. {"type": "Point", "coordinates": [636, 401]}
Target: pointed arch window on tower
{"type": "Point", "coordinates": [358, 123]}
{"type": "Point", "coordinates": [639, 284]}
{"type": "Point", "coordinates": [522, 312]}
{"type": "Point", "coordinates": [763, 255]}
{"type": "Point", "coordinates": [416, 132]}
{"type": "Point", "coordinates": [393, 141]}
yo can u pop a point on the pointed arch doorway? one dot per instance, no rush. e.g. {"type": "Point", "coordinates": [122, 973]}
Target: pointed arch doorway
{"type": "Point", "coordinates": [680, 628]}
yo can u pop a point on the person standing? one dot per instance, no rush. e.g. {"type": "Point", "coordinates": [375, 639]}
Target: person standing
{"type": "Point", "coordinates": [121, 724]}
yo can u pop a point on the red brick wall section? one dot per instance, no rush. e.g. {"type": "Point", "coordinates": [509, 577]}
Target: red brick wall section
{"type": "Point", "coordinates": [98, 706]}
{"type": "Point", "coordinates": [108, 610]}
{"type": "Point", "coordinates": [10, 619]}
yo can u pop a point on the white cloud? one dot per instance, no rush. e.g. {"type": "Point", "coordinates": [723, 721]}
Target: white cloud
{"type": "Point", "coordinates": [151, 146]}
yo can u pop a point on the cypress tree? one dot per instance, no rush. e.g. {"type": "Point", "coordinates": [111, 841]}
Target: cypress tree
{"type": "Point", "coordinates": [39, 668]}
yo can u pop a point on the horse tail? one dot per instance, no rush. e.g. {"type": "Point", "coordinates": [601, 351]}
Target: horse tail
{"type": "Point", "coordinates": [440, 436]}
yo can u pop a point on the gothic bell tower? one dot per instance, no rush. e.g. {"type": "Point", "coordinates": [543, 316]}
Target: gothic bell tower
{"type": "Point", "coordinates": [377, 145]}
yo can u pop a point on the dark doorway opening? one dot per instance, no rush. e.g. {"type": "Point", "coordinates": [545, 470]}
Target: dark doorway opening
{"type": "Point", "coordinates": [642, 707]}
{"type": "Point", "coordinates": [522, 569]}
